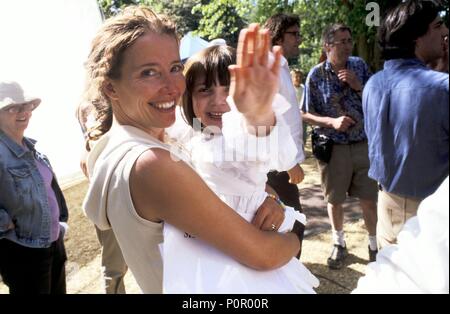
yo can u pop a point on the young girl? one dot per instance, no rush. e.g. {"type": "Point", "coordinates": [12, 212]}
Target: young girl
{"type": "Point", "coordinates": [234, 165]}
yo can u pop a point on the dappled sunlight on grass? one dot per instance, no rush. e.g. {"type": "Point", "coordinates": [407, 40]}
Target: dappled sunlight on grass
{"type": "Point", "coordinates": [316, 250]}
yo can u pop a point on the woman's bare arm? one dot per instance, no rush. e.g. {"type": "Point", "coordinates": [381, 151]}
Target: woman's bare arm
{"type": "Point", "coordinates": [163, 189]}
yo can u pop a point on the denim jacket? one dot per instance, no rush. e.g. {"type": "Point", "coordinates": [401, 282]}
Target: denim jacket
{"type": "Point", "coordinates": [23, 196]}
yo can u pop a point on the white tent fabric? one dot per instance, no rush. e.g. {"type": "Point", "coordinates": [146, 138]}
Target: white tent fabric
{"type": "Point", "coordinates": [44, 45]}
{"type": "Point", "coordinates": [190, 45]}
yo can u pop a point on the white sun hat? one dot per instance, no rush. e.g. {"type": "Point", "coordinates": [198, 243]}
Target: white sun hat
{"type": "Point", "coordinates": [217, 42]}
{"type": "Point", "coordinates": [11, 93]}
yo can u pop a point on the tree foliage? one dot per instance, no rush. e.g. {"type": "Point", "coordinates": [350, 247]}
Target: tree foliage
{"type": "Point", "coordinates": [208, 18]}
{"type": "Point", "coordinates": [315, 15]}
{"type": "Point", "coordinates": [180, 11]}
{"type": "Point", "coordinates": [365, 35]}
{"type": "Point", "coordinates": [223, 19]}
{"type": "Point", "coordinates": [263, 9]}
{"type": "Point", "coordinates": [112, 7]}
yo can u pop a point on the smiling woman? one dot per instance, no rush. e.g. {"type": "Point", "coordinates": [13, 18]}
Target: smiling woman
{"type": "Point", "coordinates": [50, 46]}
{"type": "Point", "coordinates": [33, 212]}
{"type": "Point", "coordinates": [135, 79]}
{"type": "Point", "coordinates": [150, 83]}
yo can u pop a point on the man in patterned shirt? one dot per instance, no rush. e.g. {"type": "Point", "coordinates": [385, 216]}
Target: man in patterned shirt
{"type": "Point", "coordinates": [333, 104]}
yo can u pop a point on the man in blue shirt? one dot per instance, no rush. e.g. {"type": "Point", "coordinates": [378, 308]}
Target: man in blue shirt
{"type": "Point", "coordinates": [406, 115]}
{"type": "Point", "coordinates": [333, 103]}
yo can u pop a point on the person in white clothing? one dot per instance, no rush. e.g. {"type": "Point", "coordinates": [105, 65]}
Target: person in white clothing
{"type": "Point", "coordinates": [113, 265]}
{"type": "Point", "coordinates": [284, 30]}
{"type": "Point", "coordinates": [135, 78]}
{"type": "Point", "coordinates": [419, 262]}
{"type": "Point", "coordinates": [234, 165]}
{"type": "Point", "coordinates": [297, 80]}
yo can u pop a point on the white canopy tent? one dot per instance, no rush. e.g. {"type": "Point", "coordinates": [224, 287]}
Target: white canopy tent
{"type": "Point", "coordinates": [190, 45]}
{"type": "Point", "coordinates": [44, 46]}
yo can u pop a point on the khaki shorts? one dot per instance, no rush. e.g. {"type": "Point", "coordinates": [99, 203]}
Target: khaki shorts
{"type": "Point", "coordinates": [347, 173]}
{"type": "Point", "coordinates": [393, 211]}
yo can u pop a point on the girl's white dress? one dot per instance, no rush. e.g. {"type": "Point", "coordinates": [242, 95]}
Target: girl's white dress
{"type": "Point", "coordinates": [234, 165]}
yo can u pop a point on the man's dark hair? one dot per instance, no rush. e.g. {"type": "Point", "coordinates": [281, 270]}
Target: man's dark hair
{"type": "Point", "coordinates": [278, 24]}
{"type": "Point", "coordinates": [403, 25]}
{"type": "Point", "coordinates": [330, 31]}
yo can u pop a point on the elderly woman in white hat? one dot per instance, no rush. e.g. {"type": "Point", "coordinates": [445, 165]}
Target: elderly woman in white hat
{"type": "Point", "coordinates": [33, 212]}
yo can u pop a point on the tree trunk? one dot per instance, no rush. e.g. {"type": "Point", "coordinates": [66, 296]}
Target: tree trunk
{"type": "Point", "coordinates": [362, 49]}
{"type": "Point", "coordinates": [378, 65]}
{"type": "Point", "coordinates": [369, 52]}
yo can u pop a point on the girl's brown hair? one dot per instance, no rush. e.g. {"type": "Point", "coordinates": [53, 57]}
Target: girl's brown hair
{"type": "Point", "coordinates": [212, 65]}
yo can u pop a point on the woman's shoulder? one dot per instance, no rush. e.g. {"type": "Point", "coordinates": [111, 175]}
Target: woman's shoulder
{"type": "Point", "coordinates": [116, 145]}
{"type": "Point", "coordinates": [155, 157]}
{"type": "Point", "coordinates": [155, 169]}
{"type": "Point", "coordinates": [151, 149]}
{"type": "Point", "coordinates": [124, 137]}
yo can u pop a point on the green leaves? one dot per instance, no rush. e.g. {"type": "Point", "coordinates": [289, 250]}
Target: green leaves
{"type": "Point", "coordinates": [112, 7]}
{"type": "Point", "coordinates": [263, 9]}
{"type": "Point", "coordinates": [223, 19]}
{"type": "Point", "coordinates": [180, 11]}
